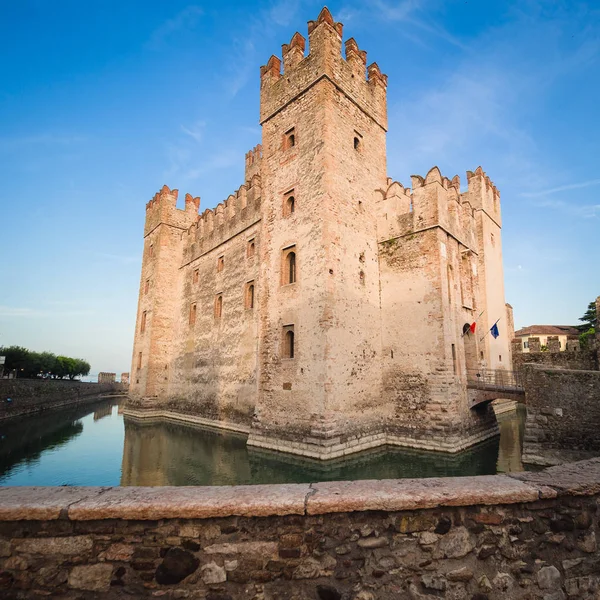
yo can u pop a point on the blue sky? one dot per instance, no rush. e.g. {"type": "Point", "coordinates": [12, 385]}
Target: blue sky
{"type": "Point", "coordinates": [102, 102]}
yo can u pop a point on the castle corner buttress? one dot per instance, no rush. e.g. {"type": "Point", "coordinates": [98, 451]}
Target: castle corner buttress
{"type": "Point", "coordinates": [321, 308]}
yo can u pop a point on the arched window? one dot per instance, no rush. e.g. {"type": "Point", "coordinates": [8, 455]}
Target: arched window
{"type": "Point", "coordinates": [356, 143]}
{"type": "Point", "coordinates": [289, 139]}
{"type": "Point", "coordinates": [192, 313]}
{"type": "Point", "coordinates": [288, 341]}
{"type": "Point", "coordinates": [249, 296]}
{"type": "Point", "coordinates": [250, 249]}
{"type": "Point", "coordinates": [290, 205]}
{"type": "Point", "coordinates": [218, 306]}
{"type": "Point", "coordinates": [143, 323]}
{"type": "Point", "coordinates": [291, 267]}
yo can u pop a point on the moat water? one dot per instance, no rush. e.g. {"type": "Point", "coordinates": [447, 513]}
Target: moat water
{"type": "Point", "coordinates": [95, 445]}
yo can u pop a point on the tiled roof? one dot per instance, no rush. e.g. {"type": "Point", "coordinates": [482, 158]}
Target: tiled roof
{"type": "Point", "coordinates": [548, 330]}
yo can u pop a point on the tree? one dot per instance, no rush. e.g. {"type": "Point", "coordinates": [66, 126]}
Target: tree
{"type": "Point", "coordinates": [35, 364]}
{"type": "Point", "coordinates": [590, 317]}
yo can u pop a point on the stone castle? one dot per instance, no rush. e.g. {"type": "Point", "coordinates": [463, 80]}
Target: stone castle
{"type": "Point", "coordinates": [320, 308]}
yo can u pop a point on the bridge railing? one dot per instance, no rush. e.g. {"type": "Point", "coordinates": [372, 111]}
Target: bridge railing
{"type": "Point", "coordinates": [494, 378]}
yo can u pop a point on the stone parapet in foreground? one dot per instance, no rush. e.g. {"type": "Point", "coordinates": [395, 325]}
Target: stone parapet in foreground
{"type": "Point", "coordinates": [530, 535]}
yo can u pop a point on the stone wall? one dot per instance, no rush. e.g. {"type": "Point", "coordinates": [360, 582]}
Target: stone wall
{"type": "Point", "coordinates": [563, 413]}
{"type": "Point", "coordinates": [35, 395]}
{"type": "Point", "coordinates": [578, 360]}
{"type": "Point", "coordinates": [533, 535]}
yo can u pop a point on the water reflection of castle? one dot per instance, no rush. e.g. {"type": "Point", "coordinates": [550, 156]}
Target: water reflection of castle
{"type": "Point", "coordinates": [162, 453]}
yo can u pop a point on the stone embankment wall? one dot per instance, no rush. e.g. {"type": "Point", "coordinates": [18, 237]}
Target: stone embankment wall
{"type": "Point", "coordinates": [36, 395]}
{"type": "Point", "coordinates": [563, 413]}
{"type": "Point", "coordinates": [525, 536]}
{"type": "Point", "coordinates": [584, 359]}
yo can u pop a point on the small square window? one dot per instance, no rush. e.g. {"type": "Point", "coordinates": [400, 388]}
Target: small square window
{"type": "Point", "coordinates": [220, 264]}
{"type": "Point", "coordinates": [196, 276]}
{"type": "Point", "coordinates": [250, 248]}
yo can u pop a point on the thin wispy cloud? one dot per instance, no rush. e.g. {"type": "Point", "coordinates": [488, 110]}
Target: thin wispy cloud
{"type": "Point", "coordinates": [562, 188]}
{"type": "Point", "coordinates": [126, 260]}
{"type": "Point", "coordinates": [416, 13]}
{"type": "Point", "coordinates": [195, 131]}
{"type": "Point", "coordinates": [40, 139]}
{"type": "Point", "coordinates": [243, 59]}
{"type": "Point", "coordinates": [574, 209]}
{"type": "Point", "coordinates": [24, 312]}
{"type": "Point", "coordinates": [184, 19]}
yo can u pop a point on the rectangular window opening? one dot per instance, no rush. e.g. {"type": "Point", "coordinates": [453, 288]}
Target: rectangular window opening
{"type": "Point", "coordinates": [218, 306]}
{"type": "Point", "coordinates": [143, 323]}
{"type": "Point", "coordinates": [454, 365]}
{"type": "Point", "coordinates": [196, 276]}
{"type": "Point", "coordinates": [192, 313]}
{"type": "Point", "coordinates": [220, 264]}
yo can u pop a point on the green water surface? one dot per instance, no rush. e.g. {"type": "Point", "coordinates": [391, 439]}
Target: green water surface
{"type": "Point", "coordinates": [95, 445]}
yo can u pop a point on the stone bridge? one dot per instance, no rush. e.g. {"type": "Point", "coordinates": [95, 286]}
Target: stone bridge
{"type": "Point", "coordinates": [484, 386]}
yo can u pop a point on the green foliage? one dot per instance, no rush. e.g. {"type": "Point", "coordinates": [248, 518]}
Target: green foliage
{"type": "Point", "coordinates": [585, 338]}
{"type": "Point", "coordinates": [590, 318]}
{"type": "Point", "coordinates": [543, 348]}
{"type": "Point", "coordinates": [37, 364]}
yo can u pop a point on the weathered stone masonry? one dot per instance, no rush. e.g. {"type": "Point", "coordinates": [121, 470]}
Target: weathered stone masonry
{"type": "Point", "coordinates": [322, 305]}
{"type": "Point", "coordinates": [563, 413]}
{"type": "Point", "coordinates": [529, 536]}
{"type": "Point", "coordinates": [31, 396]}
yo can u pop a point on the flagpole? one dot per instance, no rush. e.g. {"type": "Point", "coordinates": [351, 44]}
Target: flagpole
{"type": "Point", "coordinates": [492, 327]}
{"type": "Point", "coordinates": [475, 321]}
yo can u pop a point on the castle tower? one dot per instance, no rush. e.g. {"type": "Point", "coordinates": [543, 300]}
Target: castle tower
{"type": "Point", "coordinates": [324, 128]}
{"type": "Point", "coordinates": [158, 302]}
{"type": "Point", "coordinates": [484, 197]}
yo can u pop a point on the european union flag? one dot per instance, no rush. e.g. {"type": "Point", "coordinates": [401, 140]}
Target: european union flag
{"type": "Point", "coordinates": [494, 330]}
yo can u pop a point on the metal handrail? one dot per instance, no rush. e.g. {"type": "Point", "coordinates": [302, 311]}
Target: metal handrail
{"type": "Point", "coordinates": [494, 378]}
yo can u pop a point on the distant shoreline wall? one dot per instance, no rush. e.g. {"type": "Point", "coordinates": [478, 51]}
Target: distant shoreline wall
{"type": "Point", "coordinates": [30, 396]}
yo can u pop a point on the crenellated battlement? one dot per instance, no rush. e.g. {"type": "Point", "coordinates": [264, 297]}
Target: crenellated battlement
{"type": "Point", "coordinates": [253, 162]}
{"type": "Point", "coordinates": [482, 194]}
{"type": "Point", "coordinates": [365, 86]}
{"type": "Point", "coordinates": [162, 208]}
{"type": "Point", "coordinates": [435, 200]}
{"type": "Point", "coordinates": [216, 225]}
